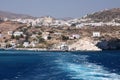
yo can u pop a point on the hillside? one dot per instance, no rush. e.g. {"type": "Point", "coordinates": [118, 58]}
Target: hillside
{"type": "Point", "coordinates": [5, 27]}
{"type": "Point", "coordinates": [105, 15]}
{"type": "Point", "coordinates": [49, 35]}
{"type": "Point", "coordinates": [4, 14]}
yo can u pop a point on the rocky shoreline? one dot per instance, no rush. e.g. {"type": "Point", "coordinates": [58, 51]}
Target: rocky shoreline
{"type": "Point", "coordinates": [84, 44]}
{"type": "Point", "coordinates": [37, 49]}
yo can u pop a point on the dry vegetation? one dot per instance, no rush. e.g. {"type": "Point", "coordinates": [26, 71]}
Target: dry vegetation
{"type": "Point", "coordinates": [9, 26]}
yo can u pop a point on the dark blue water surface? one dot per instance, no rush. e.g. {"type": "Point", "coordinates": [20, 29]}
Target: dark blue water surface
{"type": "Point", "coordinates": [31, 65]}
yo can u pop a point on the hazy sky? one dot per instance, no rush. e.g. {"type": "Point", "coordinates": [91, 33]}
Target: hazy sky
{"type": "Point", "coordinates": [57, 8]}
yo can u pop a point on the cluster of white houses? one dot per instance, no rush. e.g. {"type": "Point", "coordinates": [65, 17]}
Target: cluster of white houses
{"type": "Point", "coordinates": [49, 21]}
{"type": "Point", "coordinates": [16, 33]}
{"type": "Point", "coordinates": [97, 24]}
{"type": "Point", "coordinates": [59, 46]}
{"type": "Point", "coordinates": [43, 21]}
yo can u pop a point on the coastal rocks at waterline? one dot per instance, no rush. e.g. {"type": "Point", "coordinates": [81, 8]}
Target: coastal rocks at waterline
{"type": "Point", "coordinates": [84, 44]}
{"type": "Point", "coordinates": [112, 44]}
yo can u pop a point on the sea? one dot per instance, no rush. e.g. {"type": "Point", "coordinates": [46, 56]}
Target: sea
{"type": "Point", "coordinates": [59, 65]}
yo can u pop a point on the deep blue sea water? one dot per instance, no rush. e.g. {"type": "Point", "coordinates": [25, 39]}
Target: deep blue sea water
{"type": "Point", "coordinates": [31, 65]}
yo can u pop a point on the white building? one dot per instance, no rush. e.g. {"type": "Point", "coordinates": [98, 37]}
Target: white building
{"type": "Point", "coordinates": [64, 47]}
{"type": "Point", "coordinates": [12, 43]}
{"type": "Point", "coordinates": [26, 44]}
{"type": "Point", "coordinates": [10, 32]}
{"type": "Point", "coordinates": [74, 36]}
{"type": "Point", "coordinates": [45, 35]}
{"type": "Point", "coordinates": [61, 46]}
{"type": "Point", "coordinates": [58, 33]}
{"type": "Point", "coordinates": [80, 25]}
{"type": "Point", "coordinates": [96, 34]}
{"type": "Point", "coordinates": [17, 33]}
{"type": "Point", "coordinates": [33, 43]}
{"type": "Point", "coordinates": [34, 36]}
{"type": "Point", "coordinates": [48, 19]}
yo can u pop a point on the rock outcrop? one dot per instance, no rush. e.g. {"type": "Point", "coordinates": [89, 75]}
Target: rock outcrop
{"type": "Point", "coordinates": [84, 44]}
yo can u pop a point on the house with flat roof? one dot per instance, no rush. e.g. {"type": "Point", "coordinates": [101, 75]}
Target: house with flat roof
{"type": "Point", "coordinates": [26, 44]}
{"type": "Point", "coordinates": [96, 34]}
{"type": "Point", "coordinates": [17, 33]}
{"type": "Point", "coordinates": [10, 32]}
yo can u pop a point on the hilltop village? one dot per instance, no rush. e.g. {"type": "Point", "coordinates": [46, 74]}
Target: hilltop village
{"type": "Point", "coordinates": [48, 33]}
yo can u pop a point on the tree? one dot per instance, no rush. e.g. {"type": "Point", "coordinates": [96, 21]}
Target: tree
{"type": "Point", "coordinates": [26, 39]}
{"type": "Point", "coordinates": [12, 37]}
{"type": "Point", "coordinates": [39, 33]}
{"type": "Point", "coordinates": [21, 36]}
{"type": "Point", "coordinates": [65, 38]}
{"type": "Point", "coordinates": [49, 37]}
{"type": "Point", "coordinates": [41, 40]}
{"type": "Point", "coordinates": [17, 37]}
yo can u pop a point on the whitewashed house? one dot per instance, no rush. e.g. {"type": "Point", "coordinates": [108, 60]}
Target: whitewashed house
{"type": "Point", "coordinates": [26, 44]}
{"type": "Point", "coordinates": [33, 43]}
{"type": "Point", "coordinates": [12, 43]}
{"type": "Point", "coordinates": [17, 33]}
{"type": "Point", "coordinates": [10, 32]}
{"type": "Point", "coordinates": [64, 47]}
{"type": "Point", "coordinates": [74, 36]}
{"type": "Point", "coordinates": [34, 36]}
{"type": "Point", "coordinates": [96, 34]}
{"type": "Point", "coordinates": [58, 33]}
{"type": "Point", "coordinates": [80, 25]}
{"type": "Point", "coordinates": [61, 46]}
{"type": "Point", "coordinates": [45, 35]}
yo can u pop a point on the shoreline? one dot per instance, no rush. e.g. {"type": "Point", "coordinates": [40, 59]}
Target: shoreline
{"type": "Point", "coordinates": [55, 50]}
{"type": "Point", "coordinates": [39, 49]}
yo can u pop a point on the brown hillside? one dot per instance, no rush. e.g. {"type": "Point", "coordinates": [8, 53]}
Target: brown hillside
{"type": "Point", "coordinates": [9, 26]}
{"type": "Point", "coordinates": [105, 15]}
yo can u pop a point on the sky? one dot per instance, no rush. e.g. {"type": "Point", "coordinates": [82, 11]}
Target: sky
{"type": "Point", "coordinates": [57, 8]}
